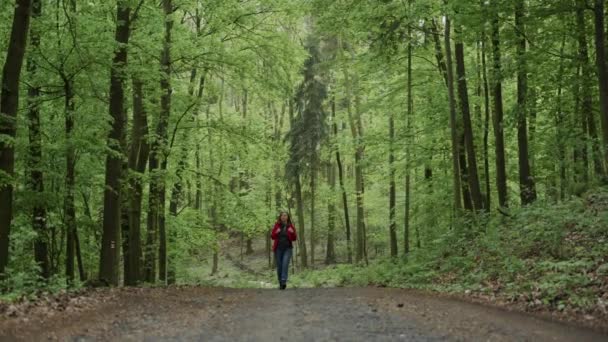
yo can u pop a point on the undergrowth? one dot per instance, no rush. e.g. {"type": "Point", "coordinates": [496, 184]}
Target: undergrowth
{"type": "Point", "coordinates": [552, 256]}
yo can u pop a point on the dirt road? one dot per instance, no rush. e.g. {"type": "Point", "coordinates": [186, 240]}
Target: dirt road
{"type": "Point", "coordinates": [338, 314]}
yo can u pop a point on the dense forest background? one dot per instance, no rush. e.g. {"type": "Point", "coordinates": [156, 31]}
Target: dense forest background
{"type": "Point", "coordinates": [455, 143]}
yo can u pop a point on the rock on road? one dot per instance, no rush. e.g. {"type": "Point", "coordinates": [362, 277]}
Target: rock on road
{"type": "Point", "coordinates": [337, 314]}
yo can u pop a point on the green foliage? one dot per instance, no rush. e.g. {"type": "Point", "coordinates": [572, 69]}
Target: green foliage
{"type": "Point", "coordinates": [537, 255]}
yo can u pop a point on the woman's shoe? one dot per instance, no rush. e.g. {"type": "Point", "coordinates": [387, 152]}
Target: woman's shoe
{"type": "Point", "coordinates": [283, 286]}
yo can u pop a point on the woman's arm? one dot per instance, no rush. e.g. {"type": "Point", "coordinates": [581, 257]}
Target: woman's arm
{"type": "Point", "coordinates": [291, 233]}
{"type": "Point", "coordinates": [274, 233]}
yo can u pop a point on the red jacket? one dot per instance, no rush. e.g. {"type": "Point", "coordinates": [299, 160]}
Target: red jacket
{"type": "Point", "coordinates": [274, 234]}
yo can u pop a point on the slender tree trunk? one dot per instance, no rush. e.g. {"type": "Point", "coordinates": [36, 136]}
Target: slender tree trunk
{"type": "Point", "coordinates": [584, 91]}
{"type": "Point", "coordinates": [138, 158]}
{"type": "Point", "coordinates": [341, 180]}
{"type": "Point", "coordinates": [165, 105]}
{"type": "Point", "coordinates": [267, 232]}
{"type": "Point", "coordinates": [501, 169]}
{"type": "Point", "coordinates": [198, 198]}
{"type": "Point", "coordinates": [313, 175]}
{"type": "Point", "coordinates": [469, 143]}
{"type": "Point", "coordinates": [408, 150]}
{"type": "Point", "coordinates": [602, 71]}
{"type": "Point", "coordinates": [300, 204]}
{"type": "Point", "coordinates": [588, 117]}
{"type": "Point", "coordinates": [357, 134]}
{"type": "Point", "coordinates": [330, 253]}
{"type": "Point", "coordinates": [526, 181]}
{"type": "Point", "coordinates": [486, 122]}
{"type": "Point", "coordinates": [9, 104]}
{"type": "Point", "coordinates": [81, 272]}
{"type": "Point", "coordinates": [391, 197]}
{"type": "Point", "coordinates": [70, 182]}
{"type": "Point", "coordinates": [559, 127]}
{"type": "Point", "coordinates": [216, 258]}
{"type": "Point", "coordinates": [439, 52]}
{"type": "Point", "coordinates": [110, 251]}
{"type": "Point", "coordinates": [36, 175]}
{"type": "Point", "coordinates": [152, 219]}
{"type": "Point", "coordinates": [453, 123]}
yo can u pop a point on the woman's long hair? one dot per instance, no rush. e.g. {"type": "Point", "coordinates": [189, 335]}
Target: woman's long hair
{"type": "Point", "coordinates": [288, 217]}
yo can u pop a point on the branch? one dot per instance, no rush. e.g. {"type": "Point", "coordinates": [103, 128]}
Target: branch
{"type": "Point", "coordinates": [136, 12]}
{"type": "Point", "coordinates": [179, 120]}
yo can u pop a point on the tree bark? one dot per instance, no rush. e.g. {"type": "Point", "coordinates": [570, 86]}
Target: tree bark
{"type": "Point", "coordinates": [341, 181]}
{"type": "Point", "coordinates": [584, 91]}
{"type": "Point", "coordinates": [36, 174]}
{"type": "Point", "coordinates": [108, 270]}
{"type": "Point", "coordinates": [355, 125]}
{"type": "Point", "coordinates": [313, 175]}
{"type": "Point", "coordinates": [9, 104]}
{"type": "Point", "coordinates": [527, 187]}
{"type": "Point", "coordinates": [165, 107]}
{"type": "Point", "coordinates": [391, 188]}
{"type": "Point", "coordinates": [559, 127]}
{"type": "Point", "coordinates": [330, 251]}
{"type": "Point", "coordinates": [456, 167]}
{"type": "Point", "coordinates": [302, 231]}
{"type": "Point", "coordinates": [486, 122]}
{"type": "Point", "coordinates": [469, 143]}
{"type": "Point", "coordinates": [138, 158]}
{"type": "Point", "coordinates": [69, 208]}
{"type": "Point", "coordinates": [602, 71]}
{"type": "Point", "coordinates": [498, 124]}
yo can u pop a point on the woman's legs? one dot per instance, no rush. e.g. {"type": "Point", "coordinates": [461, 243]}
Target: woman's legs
{"type": "Point", "coordinates": [278, 256]}
{"type": "Point", "coordinates": [286, 258]}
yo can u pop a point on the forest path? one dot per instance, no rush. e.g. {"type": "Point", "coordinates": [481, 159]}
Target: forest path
{"type": "Point", "coordinates": [336, 314]}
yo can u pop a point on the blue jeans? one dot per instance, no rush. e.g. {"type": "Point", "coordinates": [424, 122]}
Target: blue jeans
{"type": "Point", "coordinates": [283, 257]}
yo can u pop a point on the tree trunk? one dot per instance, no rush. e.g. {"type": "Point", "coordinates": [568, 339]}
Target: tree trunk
{"type": "Point", "coordinates": [302, 235]}
{"type": "Point", "coordinates": [501, 169]}
{"type": "Point", "coordinates": [9, 104]}
{"type": "Point", "coordinates": [341, 180]}
{"type": "Point", "coordinates": [330, 251]}
{"type": "Point", "coordinates": [138, 158]}
{"type": "Point", "coordinates": [391, 197]}
{"type": "Point", "coordinates": [408, 151]}
{"type": "Point", "coordinates": [70, 182]}
{"type": "Point", "coordinates": [108, 270]}
{"type": "Point", "coordinates": [165, 108]}
{"type": "Point", "coordinates": [486, 121]}
{"type": "Point", "coordinates": [527, 187]}
{"type": "Point", "coordinates": [79, 257]}
{"type": "Point", "coordinates": [109, 259]}
{"type": "Point", "coordinates": [559, 127]}
{"type": "Point", "coordinates": [453, 123]}
{"type": "Point", "coordinates": [313, 175]}
{"type": "Point", "coordinates": [469, 143]}
{"type": "Point", "coordinates": [583, 90]}
{"type": "Point", "coordinates": [356, 131]}
{"type": "Point", "coordinates": [602, 71]}
{"type": "Point", "coordinates": [36, 176]}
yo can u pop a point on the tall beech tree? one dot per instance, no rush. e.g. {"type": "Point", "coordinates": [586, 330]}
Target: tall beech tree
{"type": "Point", "coordinates": [526, 180]}
{"type": "Point", "coordinates": [497, 119]}
{"type": "Point", "coordinates": [469, 141]}
{"type": "Point", "coordinates": [36, 174]}
{"type": "Point", "coordinates": [602, 70]}
{"type": "Point", "coordinates": [9, 104]}
{"type": "Point", "coordinates": [110, 252]}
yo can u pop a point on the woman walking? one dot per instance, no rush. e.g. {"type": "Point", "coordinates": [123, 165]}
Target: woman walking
{"type": "Point", "coordinates": [284, 234]}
